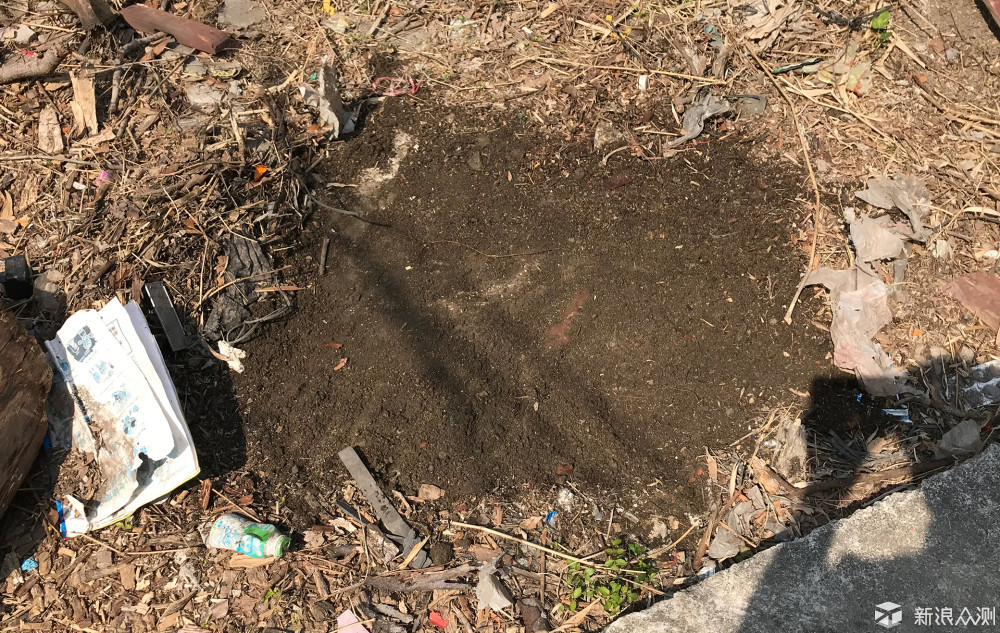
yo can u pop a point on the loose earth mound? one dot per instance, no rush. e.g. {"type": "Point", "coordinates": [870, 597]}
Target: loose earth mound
{"type": "Point", "coordinates": [515, 308]}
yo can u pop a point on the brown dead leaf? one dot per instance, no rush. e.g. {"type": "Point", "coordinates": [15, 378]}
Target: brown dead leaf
{"type": "Point", "coordinates": [484, 554]}
{"type": "Point", "coordinates": [314, 538]}
{"type": "Point", "coordinates": [498, 516]}
{"type": "Point", "coordinates": [713, 467]}
{"type": "Point", "coordinates": [429, 492]}
{"type": "Point", "coordinates": [156, 50]}
{"type": "Point", "coordinates": [242, 561]}
{"type": "Point", "coordinates": [531, 523]}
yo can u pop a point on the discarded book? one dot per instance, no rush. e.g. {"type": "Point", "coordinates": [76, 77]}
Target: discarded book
{"type": "Point", "coordinates": [115, 418]}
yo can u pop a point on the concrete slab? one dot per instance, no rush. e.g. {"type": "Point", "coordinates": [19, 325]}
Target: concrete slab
{"type": "Point", "coordinates": [932, 554]}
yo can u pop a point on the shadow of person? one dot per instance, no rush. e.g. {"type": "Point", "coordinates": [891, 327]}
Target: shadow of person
{"type": "Point", "coordinates": [920, 559]}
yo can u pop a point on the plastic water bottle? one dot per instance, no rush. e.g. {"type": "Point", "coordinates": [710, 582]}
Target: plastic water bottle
{"type": "Point", "coordinates": [259, 540]}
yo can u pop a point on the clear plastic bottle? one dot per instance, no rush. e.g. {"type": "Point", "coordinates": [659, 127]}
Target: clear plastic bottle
{"type": "Point", "coordinates": [259, 540]}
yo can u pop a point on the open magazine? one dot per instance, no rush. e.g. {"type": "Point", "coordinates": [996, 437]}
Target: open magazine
{"type": "Point", "coordinates": [122, 413]}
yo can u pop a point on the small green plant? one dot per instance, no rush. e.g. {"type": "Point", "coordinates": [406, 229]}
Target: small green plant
{"type": "Point", "coordinates": [274, 594]}
{"type": "Point", "coordinates": [125, 524]}
{"type": "Point", "coordinates": [880, 25]}
{"type": "Point", "coordinates": [616, 582]}
{"type": "Point", "coordinates": [881, 21]}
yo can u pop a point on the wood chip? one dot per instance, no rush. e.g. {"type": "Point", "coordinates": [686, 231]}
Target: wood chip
{"type": "Point", "coordinates": [242, 561]}
{"type": "Point", "coordinates": [84, 104]}
{"type": "Point", "coordinates": [50, 138]}
{"type": "Point", "coordinates": [126, 574]}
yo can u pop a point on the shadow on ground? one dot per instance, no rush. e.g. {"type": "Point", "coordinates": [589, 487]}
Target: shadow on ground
{"type": "Point", "coordinates": [920, 560]}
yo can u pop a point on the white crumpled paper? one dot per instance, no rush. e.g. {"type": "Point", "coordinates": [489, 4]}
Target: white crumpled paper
{"type": "Point", "coordinates": [332, 113]}
{"type": "Point", "coordinates": [860, 310]}
{"type": "Point", "coordinates": [114, 381]}
{"type": "Point", "coordinates": [906, 193]}
{"type": "Point", "coordinates": [490, 591]}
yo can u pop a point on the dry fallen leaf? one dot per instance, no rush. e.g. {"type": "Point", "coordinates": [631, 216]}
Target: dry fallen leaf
{"type": "Point", "coordinates": [242, 561]}
{"type": "Point", "coordinates": [530, 523]}
{"type": "Point", "coordinates": [429, 492]}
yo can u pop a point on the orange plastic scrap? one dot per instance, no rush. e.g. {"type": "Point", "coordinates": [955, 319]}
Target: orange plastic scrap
{"type": "Point", "coordinates": [980, 294]}
{"type": "Point", "coordinates": [187, 32]}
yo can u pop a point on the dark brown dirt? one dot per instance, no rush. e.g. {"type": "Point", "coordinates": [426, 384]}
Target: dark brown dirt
{"type": "Point", "coordinates": [537, 311]}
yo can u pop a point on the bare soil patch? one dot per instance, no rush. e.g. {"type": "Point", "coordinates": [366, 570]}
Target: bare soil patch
{"type": "Point", "coordinates": [521, 308]}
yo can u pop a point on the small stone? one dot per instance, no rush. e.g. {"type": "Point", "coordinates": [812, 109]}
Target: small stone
{"type": "Point", "coordinates": [442, 553]}
{"type": "Point", "coordinates": [952, 55]}
{"type": "Point", "coordinates": [474, 161]}
{"type": "Point", "coordinates": [241, 14]}
{"type": "Point", "coordinates": [482, 140]}
{"type": "Point", "coordinates": [49, 293]}
{"type": "Point", "coordinates": [323, 611]}
{"type": "Point", "coordinates": [23, 35]}
{"type": "Point", "coordinates": [606, 134]}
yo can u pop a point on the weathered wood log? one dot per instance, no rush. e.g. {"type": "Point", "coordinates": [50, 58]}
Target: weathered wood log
{"type": "Point", "coordinates": [91, 12]}
{"type": "Point", "coordinates": [25, 378]}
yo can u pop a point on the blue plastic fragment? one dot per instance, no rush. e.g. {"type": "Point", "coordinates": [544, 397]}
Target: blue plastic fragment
{"type": "Point", "coordinates": [550, 519]}
{"type": "Point", "coordinates": [62, 523]}
{"type": "Point", "coordinates": [29, 564]}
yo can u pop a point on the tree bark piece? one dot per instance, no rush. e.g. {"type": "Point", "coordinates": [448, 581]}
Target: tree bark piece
{"type": "Point", "coordinates": [25, 378]}
{"type": "Point", "coordinates": [90, 12]}
{"type": "Point", "coordinates": [24, 67]}
{"type": "Point", "coordinates": [187, 32]}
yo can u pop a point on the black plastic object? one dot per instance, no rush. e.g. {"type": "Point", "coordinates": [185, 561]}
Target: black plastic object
{"type": "Point", "coordinates": [15, 277]}
{"type": "Point", "coordinates": [167, 314]}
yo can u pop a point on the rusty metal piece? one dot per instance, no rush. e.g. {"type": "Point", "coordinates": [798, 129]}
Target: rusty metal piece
{"type": "Point", "coordinates": [187, 32]}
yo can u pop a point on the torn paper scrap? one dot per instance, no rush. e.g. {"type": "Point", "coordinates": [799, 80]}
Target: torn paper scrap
{"type": "Point", "coordinates": [963, 439]}
{"type": "Point", "coordinates": [877, 239]}
{"type": "Point", "coordinates": [695, 117]}
{"type": "Point", "coordinates": [985, 387]}
{"type": "Point", "coordinates": [327, 100]}
{"type": "Point", "coordinates": [860, 310]}
{"type": "Point", "coordinates": [490, 591]}
{"type": "Point", "coordinates": [979, 293]}
{"type": "Point", "coordinates": [906, 193]}
{"type": "Point", "coordinates": [113, 402]}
